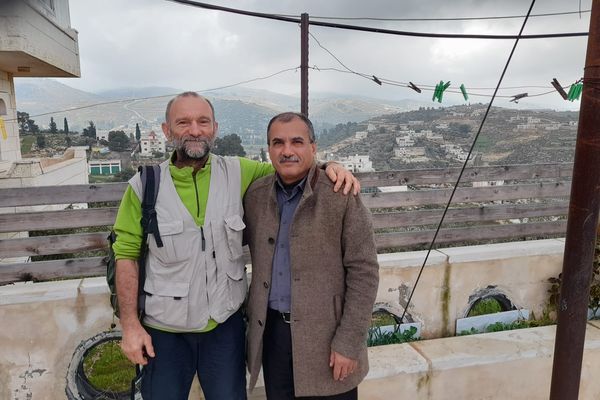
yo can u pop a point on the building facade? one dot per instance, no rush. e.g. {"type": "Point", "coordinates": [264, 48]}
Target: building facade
{"type": "Point", "coordinates": [151, 144]}
{"type": "Point", "coordinates": [36, 40]}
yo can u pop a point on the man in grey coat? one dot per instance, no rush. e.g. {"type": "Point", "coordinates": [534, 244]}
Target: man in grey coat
{"type": "Point", "coordinates": [314, 274]}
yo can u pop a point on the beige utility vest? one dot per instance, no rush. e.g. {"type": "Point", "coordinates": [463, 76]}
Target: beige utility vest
{"type": "Point", "coordinates": [199, 272]}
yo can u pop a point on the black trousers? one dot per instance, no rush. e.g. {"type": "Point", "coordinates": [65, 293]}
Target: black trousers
{"type": "Point", "coordinates": [277, 363]}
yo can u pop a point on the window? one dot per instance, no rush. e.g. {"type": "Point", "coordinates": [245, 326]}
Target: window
{"type": "Point", "coordinates": [48, 3]}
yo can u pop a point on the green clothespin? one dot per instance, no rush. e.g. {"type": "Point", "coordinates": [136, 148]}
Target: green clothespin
{"type": "Point", "coordinates": [440, 88]}
{"type": "Point", "coordinates": [464, 91]}
{"type": "Point", "coordinates": [575, 91]}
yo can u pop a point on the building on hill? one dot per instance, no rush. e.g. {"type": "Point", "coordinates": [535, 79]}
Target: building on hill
{"type": "Point", "coordinates": [355, 163]}
{"type": "Point", "coordinates": [104, 167]}
{"type": "Point", "coordinates": [102, 134]}
{"type": "Point", "coordinates": [152, 143]}
{"type": "Point", "coordinates": [405, 141]}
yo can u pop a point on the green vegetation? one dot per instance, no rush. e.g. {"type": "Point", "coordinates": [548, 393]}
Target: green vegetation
{"type": "Point", "coordinates": [26, 143]}
{"type": "Point", "coordinates": [378, 338]}
{"type": "Point", "coordinates": [594, 300]}
{"type": "Point", "coordinates": [485, 306]}
{"type": "Point", "coordinates": [107, 369]}
{"type": "Point", "coordinates": [229, 145]}
{"type": "Point", "coordinates": [382, 318]}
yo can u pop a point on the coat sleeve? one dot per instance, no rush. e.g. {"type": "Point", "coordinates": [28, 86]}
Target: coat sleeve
{"type": "Point", "coordinates": [362, 279]}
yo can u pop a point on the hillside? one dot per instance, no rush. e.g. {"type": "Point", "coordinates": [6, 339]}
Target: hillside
{"type": "Point", "coordinates": [441, 137]}
{"type": "Point", "coordinates": [239, 110]}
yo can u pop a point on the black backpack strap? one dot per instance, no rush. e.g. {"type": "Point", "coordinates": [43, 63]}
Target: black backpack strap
{"type": "Point", "coordinates": [150, 176]}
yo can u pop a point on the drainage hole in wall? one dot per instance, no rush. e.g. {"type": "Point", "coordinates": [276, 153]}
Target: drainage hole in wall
{"type": "Point", "coordinates": [490, 305]}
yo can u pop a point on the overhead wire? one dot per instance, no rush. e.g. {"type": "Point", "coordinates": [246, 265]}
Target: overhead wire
{"type": "Point", "coordinates": [500, 17]}
{"type": "Point", "coordinates": [133, 99]}
{"type": "Point", "coordinates": [464, 166]}
{"type": "Point", "coordinates": [425, 87]}
{"type": "Point", "coordinates": [376, 30]}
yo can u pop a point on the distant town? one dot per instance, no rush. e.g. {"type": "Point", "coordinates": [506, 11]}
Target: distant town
{"type": "Point", "coordinates": [427, 137]}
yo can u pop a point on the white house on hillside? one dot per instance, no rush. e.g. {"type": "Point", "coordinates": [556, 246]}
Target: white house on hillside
{"type": "Point", "coordinates": [152, 143]}
{"type": "Point", "coordinates": [356, 163]}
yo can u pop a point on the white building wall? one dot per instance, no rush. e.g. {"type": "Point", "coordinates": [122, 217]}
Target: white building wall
{"type": "Point", "coordinates": [10, 148]}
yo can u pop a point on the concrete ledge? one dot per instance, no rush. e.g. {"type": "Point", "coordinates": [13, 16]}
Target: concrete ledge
{"type": "Point", "coordinates": [514, 365]}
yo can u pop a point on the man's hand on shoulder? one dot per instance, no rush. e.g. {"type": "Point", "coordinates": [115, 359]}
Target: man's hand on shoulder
{"type": "Point", "coordinates": [137, 344]}
{"type": "Point", "coordinates": [341, 176]}
{"type": "Point", "coordinates": [342, 366]}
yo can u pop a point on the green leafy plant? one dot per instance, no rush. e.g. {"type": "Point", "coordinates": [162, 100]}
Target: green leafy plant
{"type": "Point", "coordinates": [594, 300]}
{"type": "Point", "coordinates": [499, 327]}
{"type": "Point", "coordinates": [485, 306]}
{"type": "Point", "coordinates": [378, 338]}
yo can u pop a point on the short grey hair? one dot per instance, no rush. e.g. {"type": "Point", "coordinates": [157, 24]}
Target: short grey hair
{"type": "Point", "coordinates": [188, 94]}
{"type": "Point", "coordinates": [289, 116]}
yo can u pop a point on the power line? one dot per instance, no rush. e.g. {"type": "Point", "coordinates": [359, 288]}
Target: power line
{"type": "Point", "coordinates": [487, 111]}
{"type": "Point", "coordinates": [443, 19]}
{"type": "Point", "coordinates": [132, 99]}
{"type": "Point", "coordinates": [425, 87]}
{"type": "Point", "coordinates": [378, 30]}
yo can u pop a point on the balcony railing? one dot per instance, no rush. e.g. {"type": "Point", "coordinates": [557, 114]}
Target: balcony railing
{"type": "Point", "coordinates": [491, 203]}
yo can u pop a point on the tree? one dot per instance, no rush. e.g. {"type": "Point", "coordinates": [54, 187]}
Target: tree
{"type": "Point", "coordinates": [53, 128]}
{"type": "Point", "coordinates": [230, 145]}
{"type": "Point", "coordinates": [68, 140]}
{"type": "Point", "coordinates": [263, 155]}
{"type": "Point", "coordinates": [41, 141]}
{"type": "Point", "coordinates": [66, 126]}
{"type": "Point", "coordinates": [138, 133]}
{"type": "Point", "coordinates": [22, 118]}
{"type": "Point", "coordinates": [90, 131]}
{"type": "Point", "coordinates": [26, 124]}
{"type": "Point", "coordinates": [118, 141]}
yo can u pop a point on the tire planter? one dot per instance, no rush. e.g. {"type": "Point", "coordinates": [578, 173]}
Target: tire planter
{"type": "Point", "coordinates": [78, 386]}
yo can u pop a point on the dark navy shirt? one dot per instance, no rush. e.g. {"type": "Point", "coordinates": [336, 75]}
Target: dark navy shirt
{"type": "Point", "coordinates": [288, 197]}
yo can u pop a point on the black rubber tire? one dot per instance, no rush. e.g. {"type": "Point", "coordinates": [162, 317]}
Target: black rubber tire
{"type": "Point", "coordinates": [78, 387]}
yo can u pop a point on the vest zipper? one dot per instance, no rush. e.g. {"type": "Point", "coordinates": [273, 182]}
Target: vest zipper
{"type": "Point", "coordinates": [203, 240]}
{"type": "Point", "coordinates": [197, 198]}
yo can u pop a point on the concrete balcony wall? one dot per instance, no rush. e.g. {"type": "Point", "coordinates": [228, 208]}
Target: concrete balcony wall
{"type": "Point", "coordinates": [46, 322]}
{"type": "Point", "coordinates": [455, 277]}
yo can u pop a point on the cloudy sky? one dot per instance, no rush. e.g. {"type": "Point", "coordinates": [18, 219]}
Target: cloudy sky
{"type": "Point", "coordinates": [139, 43]}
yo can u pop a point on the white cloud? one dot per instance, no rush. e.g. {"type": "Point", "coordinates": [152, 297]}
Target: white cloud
{"type": "Point", "coordinates": [162, 43]}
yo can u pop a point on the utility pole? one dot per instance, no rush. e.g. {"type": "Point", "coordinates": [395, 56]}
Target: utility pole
{"type": "Point", "coordinates": [582, 228]}
{"type": "Point", "coordinates": [304, 64]}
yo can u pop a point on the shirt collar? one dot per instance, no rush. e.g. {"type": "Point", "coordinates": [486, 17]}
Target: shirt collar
{"type": "Point", "coordinates": [288, 189]}
{"type": "Point", "coordinates": [173, 158]}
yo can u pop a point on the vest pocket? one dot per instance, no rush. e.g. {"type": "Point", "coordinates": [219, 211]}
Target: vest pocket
{"type": "Point", "coordinates": [234, 227]}
{"type": "Point", "coordinates": [168, 253]}
{"type": "Point", "coordinates": [237, 283]}
{"type": "Point", "coordinates": [167, 301]}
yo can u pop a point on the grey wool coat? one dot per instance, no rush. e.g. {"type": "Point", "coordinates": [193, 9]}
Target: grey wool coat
{"type": "Point", "coordinates": [334, 274]}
